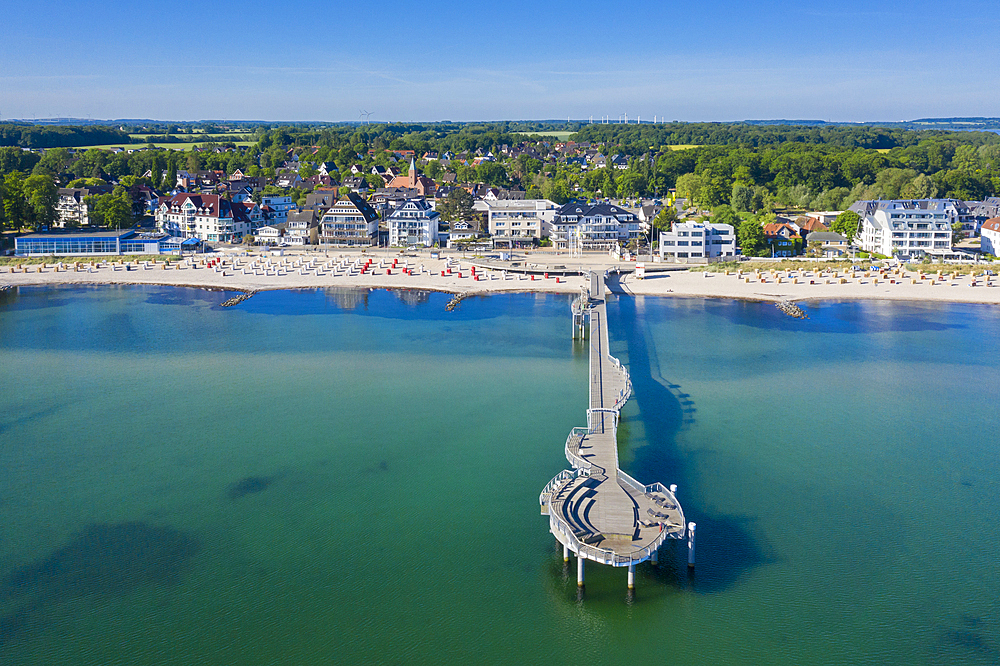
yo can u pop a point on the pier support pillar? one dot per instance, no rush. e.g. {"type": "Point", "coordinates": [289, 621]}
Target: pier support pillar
{"type": "Point", "coordinates": [565, 553]}
{"type": "Point", "coordinates": [691, 527]}
{"type": "Point", "coordinates": [654, 558]}
{"type": "Point", "coordinates": [631, 576]}
{"type": "Point", "coordinates": [579, 570]}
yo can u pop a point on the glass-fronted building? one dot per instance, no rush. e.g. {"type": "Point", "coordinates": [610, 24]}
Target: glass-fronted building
{"type": "Point", "coordinates": [96, 243]}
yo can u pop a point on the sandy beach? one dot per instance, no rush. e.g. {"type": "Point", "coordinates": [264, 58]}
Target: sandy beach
{"type": "Point", "coordinates": [294, 271]}
{"type": "Point", "coordinates": [455, 274]}
{"type": "Point", "coordinates": [813, 285]}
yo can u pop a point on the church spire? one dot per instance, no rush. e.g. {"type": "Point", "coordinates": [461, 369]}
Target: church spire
{"type": "Point", "coordinates": [413, 172]}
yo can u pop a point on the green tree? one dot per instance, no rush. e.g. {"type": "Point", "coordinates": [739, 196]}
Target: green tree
{"type": "Point", "coordinates": [664, 220]}
{"type": "Point", "coordinates": [15, 159]}
{"type": "Point", "coordinates": [456, 206]}
{"type": "Point", "coordinates": [41, 195]}
{"type": "Point", "coordinates": [113, 210]}
{"type": "Point", "coordinates": [689, 187]}
{"type": "Point", "coordinates": [492, 174]}
{"type": "Point", "coordinates": [170, 179]}
{"type": "Point", "coordinates": [750, 237]}
{"type": "Point", "coordinates": [920, 187]}
{"type": "Point", "coordinates": [725, 215]}
{"type": "Point", "coordinates": [556, 191]}
{"type": "Point", "coordinates": [742, 198]}
{"type": "Point", "coordinates": [631, 184]}
{"type": "Point", "coordinates": [846, 224]}
{"type": "Point", "coordinates": [434, 170]}
{"type": "Point", "coordinates": [956, 233]}
{"type": "Point", "coordinates": [87, 182]}
{"type": "Point", "coordinates": [16, 211]}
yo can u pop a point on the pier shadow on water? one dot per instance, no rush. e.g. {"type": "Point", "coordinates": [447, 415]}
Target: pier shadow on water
{"type": "Point", "coordinates": [727, 545]}
{"type": "Point", "coordinates": [102, 560]}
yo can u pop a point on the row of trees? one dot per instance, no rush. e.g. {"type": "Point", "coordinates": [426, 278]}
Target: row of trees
{"type": "Point", "coordinates": [48, 136]}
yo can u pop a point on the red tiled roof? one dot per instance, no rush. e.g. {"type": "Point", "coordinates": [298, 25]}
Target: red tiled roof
{"type": "Point", "coordinates": [774, 229]}
{"type": "Point", "coordinates": [992, 224]}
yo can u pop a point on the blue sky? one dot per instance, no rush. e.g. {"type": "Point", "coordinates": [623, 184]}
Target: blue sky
{"type": "Point", "coordinates": [713, 60]}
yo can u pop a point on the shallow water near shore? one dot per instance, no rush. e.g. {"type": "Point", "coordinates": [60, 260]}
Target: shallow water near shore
{"type": "Point", "coordinates": [352, 476]}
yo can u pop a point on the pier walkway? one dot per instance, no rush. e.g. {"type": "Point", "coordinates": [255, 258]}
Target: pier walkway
{"type": "Point", "coordinates": [596, 510]}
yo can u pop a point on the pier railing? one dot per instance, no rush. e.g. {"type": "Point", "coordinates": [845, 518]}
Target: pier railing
{"type": "Point", "coordinates": [572, 453]}
{"type": "Point", "coordinates": [602, 555]}
{"type": "Point", "coordinates": [557, 482]}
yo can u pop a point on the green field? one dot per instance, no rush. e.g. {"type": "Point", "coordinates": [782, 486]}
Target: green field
{"type": "Point", "coordinates": [183, 147]}
{"type": "Point", "coordinates": [558, 136]}
{"type": "Point", "coordinates": [222, 135]}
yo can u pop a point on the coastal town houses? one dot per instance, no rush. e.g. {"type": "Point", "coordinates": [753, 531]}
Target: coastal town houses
{"type": "Point", "coordinates": [271, 234]}
{"type": "Point", "coordinates": [278, 206]}
{"type": "Point", "coordinates": [356, 184]}
{"type": "Point", "coordinates": [461, 232]}
{"type": "Point", "coordinates": [72, 208]}
{"type": "Point", "coordinates": [413, 222]}
{"type": "Point", "coordinates": [831, 244]}
{"type": "Point", "coordinates": [302, 227]}
{"type": "Point", "coordinates": [582, 226]}
{"type": "Point", "coordinates": [422, 184]}
{"type": "Point", "coordinates": [207, 217]}
{"type": "Point", "coordinates": [989, 239]}
{"type": "Point", "coordinates": [908, 229]}
{"type": "Point", "coordinates": [320, 199]}
{"type": "Point", "coordinates": [698, 243]}
{"type": "Point", "coordinates": [783, 239]}
{"type": "Point", "coordinates": [350, 221]}
{"type": "Point", "coordinates": [517, 223]}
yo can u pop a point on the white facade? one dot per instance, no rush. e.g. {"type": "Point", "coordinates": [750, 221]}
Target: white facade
{"type": "Point", "coordinates": [525, 218]}
{"type": "Point", "coordinates": [906, 228]}
{"type": "Point", "coordinates": [413, 222]}
{"type": "Point", "coordinates": [301, 228]}
{"type": "Point", "coordinates": [989, 240]}
{"type": "Point", "coordinates": [72, 208]}
{"type": "Point", "coordinates": [350, 221]}
{"type": "Point", "coordinates": [693, 242]}
{"type": "Point", "coordinates": [460, 231]}
{"type": "Point", "coordinates": [271, 234]}
{"type": "Point", "coordinates": [598, 227]}
{"type": "Point", "coordinates": [208, 217]}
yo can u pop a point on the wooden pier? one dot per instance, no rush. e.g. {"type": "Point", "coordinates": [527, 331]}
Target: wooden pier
{"type": "Point", "coordinates": [596, 510]}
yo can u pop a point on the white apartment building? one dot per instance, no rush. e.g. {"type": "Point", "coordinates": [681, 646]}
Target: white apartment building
{"type": "Point", "coordinates": [279, 206]}
{"type": "Point", "coordinates": [518, 219]}
{"type": "Point", "coordinates": [581, 226]}
{"type": "Point", "coordinates": [907, 228]}
{"type": "Point", "coordinates": [72, 207]}
{"type": "Point", "coordinates": [697, 243]}
{"type": "Point", "coordinates": [302, 227]}
{"type": "Point", "coordinates": [350, 221]}
{"type": "Point", "coordinates": [989, 240]}
{"type": "Point", "coordinates": [208, 217]}
{"type": "Point", "coordinates": [413, 222]}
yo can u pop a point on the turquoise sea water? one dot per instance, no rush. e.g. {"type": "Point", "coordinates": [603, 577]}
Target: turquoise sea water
{"type": "Point", "coordinates": [352, 477]}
